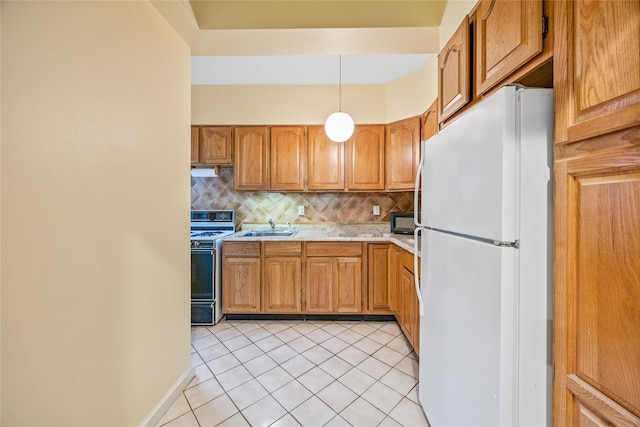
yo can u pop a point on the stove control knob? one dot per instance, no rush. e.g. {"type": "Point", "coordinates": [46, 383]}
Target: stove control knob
{"type": "Point", "coordinates": [195, 244]}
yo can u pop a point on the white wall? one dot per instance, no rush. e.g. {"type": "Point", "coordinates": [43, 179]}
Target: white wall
{"type": "Point", "coordinates": [94, 216]}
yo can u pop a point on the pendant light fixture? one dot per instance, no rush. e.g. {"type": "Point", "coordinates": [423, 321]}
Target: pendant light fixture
{"type": "Point", "coordinates": [339, 126]}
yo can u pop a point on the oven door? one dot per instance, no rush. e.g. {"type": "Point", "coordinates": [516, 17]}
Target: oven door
{"type": "Point", "coordinates": [203, 270]}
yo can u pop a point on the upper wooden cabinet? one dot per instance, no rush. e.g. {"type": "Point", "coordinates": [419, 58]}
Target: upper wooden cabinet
{"type": "Point", "coordinates": [597, 63]}
{"type": "Point", "coordinates": [216, 145]}
{"type": "Point", "coordinates": [429, 122]}
{"type": "Point", "coordinates": [195, 144]}
{"type": "Point", "coordinates": [402, 154]}
{"type": "Point", "coordinates": [211, 145]}
{"type": "Point", "coordinates": [365, 158]}
{"type": "Point", "coordinates": [250, 168]}
{"type": "Point", "coordinates": [288, 149]}
{"type": "Point", "coordinates": [454, 72]}
{"type": "Point", "coordinates": [325, 165]}
{"type": "Point", "coordinates": [508, 33]}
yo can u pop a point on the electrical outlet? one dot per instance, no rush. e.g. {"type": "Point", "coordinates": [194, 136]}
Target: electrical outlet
{"type": "Point", "coordinates": [301, 210]}
{"type": "Point", "coordinates": [376, 210]}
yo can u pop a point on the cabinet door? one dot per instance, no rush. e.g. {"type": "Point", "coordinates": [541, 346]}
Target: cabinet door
{"type": "Point", "coordinates": [347, 285]}
{"type": "Point", "coordinates": [454, 72]}
{"type": "Point", "coordinates": [403, 154]}
{"type": "Point", "coordinates": [379, 272]}
{"type": "Point", "coordinates": [596, 63]}
{"type": "Point", "coordinates": [365, 170]}
{"type": "Point", "coordinates": [409, 312]}
{"type": "Point", "coordinates": [396, 294]}
{"type": "Point", "coordinates": [429, 122]}
{"type": "Point", "coordinates": [195, 144]}
{"type": "Point", "coordinates": [288, 158]}
{"type": "Point", "coordinates": [241, 285]}
{"type": "Point", "coordinates": [251, 158]}
{"type": "Point", "coordinates": [282, 284]}
{"type": "Point", "coordinates": [508, 34]}
{"type": "Point", "coordinates": [215, 146]}
{"type": "Point", "coordinates": [325, 163]}
{"type": "Point", "coordinates": [319, 285]}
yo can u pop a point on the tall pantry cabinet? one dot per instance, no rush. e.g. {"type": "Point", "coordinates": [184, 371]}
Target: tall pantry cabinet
{"type": "Point", "coordinates": [596, 349]}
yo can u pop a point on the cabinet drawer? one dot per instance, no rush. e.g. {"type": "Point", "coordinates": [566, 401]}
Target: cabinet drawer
{"type": "Point", "coordinates": [282, 248]}
{"type": "Point", "coordinates": [334, 249]}
{"type": "Point", "coordinates": [241, 249]}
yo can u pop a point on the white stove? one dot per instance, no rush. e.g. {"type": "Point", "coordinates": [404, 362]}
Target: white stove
{"type": "Point", "coordinates": [207, 230]}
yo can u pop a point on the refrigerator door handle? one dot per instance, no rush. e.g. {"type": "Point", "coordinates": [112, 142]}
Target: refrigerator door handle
{"type": "Point", "coordinates": [417, 190]}
{"type": "Point", "coordinates": [416, 271]}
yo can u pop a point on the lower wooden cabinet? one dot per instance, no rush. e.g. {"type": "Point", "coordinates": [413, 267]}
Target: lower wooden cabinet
{"type": "Point", "coordinates": [282, 277]}
{"type": "Point", "coordinates": [404, 301]}
{"type": "Point", "coordinates": [241, 279]}
{"type": "Point", "coordinates": [333, 277]}
{"type": "Point", "coordinates": [379, 277]}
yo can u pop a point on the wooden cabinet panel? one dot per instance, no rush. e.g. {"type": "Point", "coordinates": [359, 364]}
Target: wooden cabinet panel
{"type": "Point", "coordinates": [508, 35]}
{"type": "Point", "coordinates": [379, 272]}
{"type": "Point", "coordinates": [429, 122]}
{"type": "Point", "coordinates": [454, 72]}
{"type": "Point", "coordinates": [319, 285]}
{"type": "Point", "coordinates": [325, 161]}
{"type": "Point", "coordinates": [365, 158]}
{"type": "Point", "coordinates": [288, 158]}
{"type": "Point", "coordinates": [347, 285]}
{"type": "Point", "coordinates": [394, 284]}
{"type": "Point", "coordinates": [216, 145]}
{"type": "Point", "coordinates": [333, 277]}
{"type": "Point", "coordinates": [597, 288]}
{"type": "Point", "coordinates": [596, 63]}
{"type": "Point", "coordinates": [251, 158]}
{"type": "Point", "coordinates": [409, 315]}
{"type": "Point", "coordinates": [282, 285]}
{"type": "Point", "coordinates": [195, 144]}
{"type": "Point", "coordinates": [402, 154]}
{"type": "Point", "coordinates": [241, 285]}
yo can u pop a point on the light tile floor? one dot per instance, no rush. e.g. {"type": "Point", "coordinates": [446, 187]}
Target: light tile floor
{"type": "Point", "coordinates": [299, 373]}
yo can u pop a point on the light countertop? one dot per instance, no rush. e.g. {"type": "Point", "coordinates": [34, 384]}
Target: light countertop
{"type": "Point", "coordinates": [330, 232]}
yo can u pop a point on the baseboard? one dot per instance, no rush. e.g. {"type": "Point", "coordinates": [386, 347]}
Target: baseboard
{"type": "Point", "coordinates": [156, 414]}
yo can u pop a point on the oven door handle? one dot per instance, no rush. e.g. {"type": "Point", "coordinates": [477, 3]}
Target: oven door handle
{"type": "Point", "coordinates": [212, 252]}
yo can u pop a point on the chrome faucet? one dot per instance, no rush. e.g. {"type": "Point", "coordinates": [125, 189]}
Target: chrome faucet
{"type": "Point", "coordinates": [272, 224]}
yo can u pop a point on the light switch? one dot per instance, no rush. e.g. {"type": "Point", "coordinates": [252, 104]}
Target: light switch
{"type": "Point", "coordinates": [376, 210]}
{"type": "Point", "coordinates": [301, 210]}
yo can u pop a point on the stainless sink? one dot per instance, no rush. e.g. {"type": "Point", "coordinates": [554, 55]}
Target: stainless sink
{"type": "Point", "coordinates": [268, 234]}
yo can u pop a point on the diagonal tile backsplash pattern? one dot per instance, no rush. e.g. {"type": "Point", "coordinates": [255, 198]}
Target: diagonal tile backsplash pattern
{"type": "Point", "coordinates": [218, 193]}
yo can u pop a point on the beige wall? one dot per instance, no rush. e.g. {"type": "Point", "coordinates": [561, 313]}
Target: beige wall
{"type": "Point", "coordinates": [408, 96]}
{"type": "Point", "coordinates": [286, 104]}
{"type": "Point", "coordinates": [95, 200]}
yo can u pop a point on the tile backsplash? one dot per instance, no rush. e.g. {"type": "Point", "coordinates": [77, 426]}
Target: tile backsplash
{"type": "Point", "coordinates": [218, 193]}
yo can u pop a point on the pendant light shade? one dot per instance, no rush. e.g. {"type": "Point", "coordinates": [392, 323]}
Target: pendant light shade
{"type": "Point", "coordinates": [339, 126]}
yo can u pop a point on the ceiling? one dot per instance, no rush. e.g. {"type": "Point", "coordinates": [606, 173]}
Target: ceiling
{"type": "Point", "coordinates": [300, 42]}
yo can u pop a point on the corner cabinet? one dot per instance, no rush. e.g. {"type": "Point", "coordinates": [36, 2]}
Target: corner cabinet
{"type": "Point", "coordinates": [402, 154]}
{"type": "Point", "coordinates": [241, 278]}
{"type": "Point", "coordinates": [288, 158]}
{"type": "Point", "coordinates": [333, 277]}
{"type": "Point", "coordinates": [365, 158]}
{"type": "Point", "coordinates": [429, 122]}
{"type": "Point", "coordinates": [250, 170]}
{"type": "Point", "coordinates": [325, 164]}
{"type": "Point", "coordinates": [454, 72]}
{"type": "Point", "coordinates": [596, 318]}
{"type": "Point", "coordinates": [379, 277]}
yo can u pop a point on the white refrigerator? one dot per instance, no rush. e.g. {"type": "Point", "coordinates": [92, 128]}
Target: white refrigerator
{"type": "Point", "coordinates": [485, 231]}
